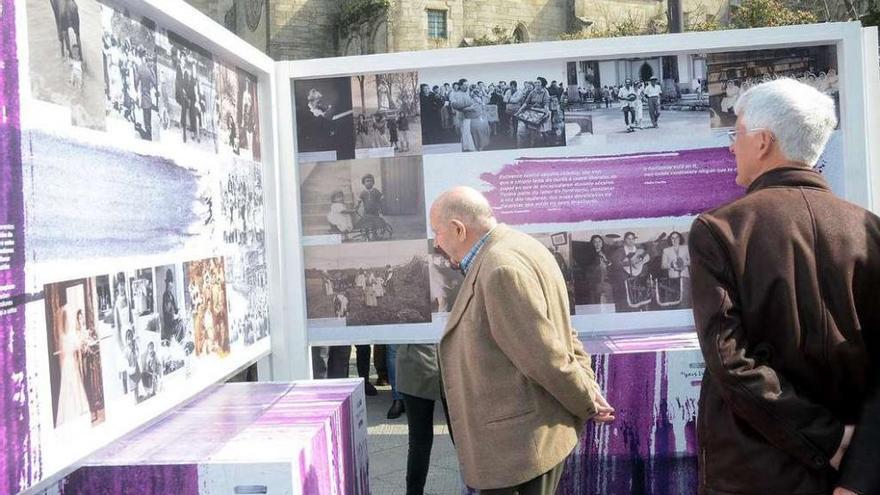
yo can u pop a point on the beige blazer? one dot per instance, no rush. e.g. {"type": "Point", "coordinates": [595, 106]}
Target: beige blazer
{"type": "Point", "coordinates": [518, 381]}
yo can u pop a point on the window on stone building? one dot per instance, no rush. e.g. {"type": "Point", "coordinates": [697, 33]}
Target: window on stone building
{"type": "Point", "coordinates": [436, 23]}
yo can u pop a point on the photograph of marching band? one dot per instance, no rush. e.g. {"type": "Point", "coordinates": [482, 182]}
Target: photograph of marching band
{"type": "Point", "coordinates": [375, 199]}
{"type": "Point", "coordinates": [324, 121]}
{"type": "Point", "coordinates": [731, 74]}
{"type": "Point", "coordinates": [648, 99]}
{"type": "Point", "coordinates": [369, 283]}
{"type": "Point", "coordinates": [492, 107]}
{"type": "Point", "coordinates": [641, 269]}
{"type": "Point", "coordinates": [386, 115]}
{"type": "Point", "coordinates": [66, 66]}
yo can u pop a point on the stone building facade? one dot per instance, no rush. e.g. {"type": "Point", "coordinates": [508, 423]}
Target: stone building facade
{"type": "Point", "coordinates": [302, 29]}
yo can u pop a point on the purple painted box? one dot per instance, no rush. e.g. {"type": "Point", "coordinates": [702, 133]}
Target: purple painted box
{"type": "Point", "coordinates": [248, 438]}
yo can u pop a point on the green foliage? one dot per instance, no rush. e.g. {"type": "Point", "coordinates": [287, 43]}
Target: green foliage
{"type": "Point", "coordinates": [355, 12]}
{"type": "Point", "coordinates": [500, 36]}
{"type": "Point", "coordinates": [768, 13]}
{"type": "Point", "coordinates": [872, 16]}
{"type": "Point", "coordinates": [628, 25]}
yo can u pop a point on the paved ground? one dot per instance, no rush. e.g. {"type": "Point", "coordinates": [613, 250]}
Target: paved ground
{"type": "Point", "coordinates": [387, 442]}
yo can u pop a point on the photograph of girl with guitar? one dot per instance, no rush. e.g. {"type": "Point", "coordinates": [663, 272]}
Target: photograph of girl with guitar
{"type": "Point", "coordinates": [640, 270]}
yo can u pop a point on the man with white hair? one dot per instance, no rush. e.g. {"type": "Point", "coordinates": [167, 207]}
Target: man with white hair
{"type": "Point", "coordinates": [517, 381]}
{"type": "Point", "coordinates": [785, 299]}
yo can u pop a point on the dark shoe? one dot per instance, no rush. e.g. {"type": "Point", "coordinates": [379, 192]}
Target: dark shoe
{"type": "Point", "coordinates": [369, 389]}
{"type": "Point", "coordinates": [382, 382]}
{"type": "Point", "coordinates": [396, 409]}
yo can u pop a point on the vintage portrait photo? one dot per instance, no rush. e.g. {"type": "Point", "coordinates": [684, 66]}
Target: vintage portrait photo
{"type": "Point", "coordinates": [67, 67]}
{"type": "Point", "coordinates": [248, 297]}
{"type": "Point", "coordinates": [559, 245]}
{"type": "Point", "coordinates": [74, 352]}
{"type": "Point", "coordinates": [368, 284]}
{"type": "Point", "coordinates": [733, 73]}
{"type": "Point", "coordinates": [238, 119]}
{"type": "Point", "coordinates": [324, 121]}
{"type": "Point", "coordinates": [131, 93]}
{"type": "Point", "coordinates": [446, 280]}
{"type": "Point", "coordinates": [636, 99]}
{"type": "Point", "coordinates": [376, 199]}
{"type": "Point", "coordinates": [186, 86]}
{"type": "Point", "coordinates": [492, 107]}
{"type": "Point", "coordinates": [386, 114]}
{"type": "Point", "coordinates": [639, 269]}
{"type": "Point", "coordinates": [205, 296]}
{"type": "Point", "coordinates": [175, 327]}
{"type": "Point", "coordinates": [241, 203]}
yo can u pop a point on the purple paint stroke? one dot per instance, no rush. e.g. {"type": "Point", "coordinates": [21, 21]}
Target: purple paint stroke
{"type": "Point", "coordinates": [645, 185]}
{"type": "Point", "coordinates": [179, 479]}
{"type": "Point", "coordinates": [17, 467]}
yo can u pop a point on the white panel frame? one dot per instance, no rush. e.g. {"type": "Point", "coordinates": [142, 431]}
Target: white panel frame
{"type": "Point", "coordinates": [861, 162]}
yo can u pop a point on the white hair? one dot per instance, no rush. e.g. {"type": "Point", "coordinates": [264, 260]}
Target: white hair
{"type": "Point", "coordinates": [468, 206]}
{"type": "Point", "coordinates": [800, 117]}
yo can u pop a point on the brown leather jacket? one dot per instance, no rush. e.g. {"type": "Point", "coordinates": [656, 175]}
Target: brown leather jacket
{"type": "Point", "coordinates": [785, 288]}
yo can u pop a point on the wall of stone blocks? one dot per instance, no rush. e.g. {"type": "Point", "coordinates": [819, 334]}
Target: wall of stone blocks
{"type": "Point", "coordinates": [302, 29]}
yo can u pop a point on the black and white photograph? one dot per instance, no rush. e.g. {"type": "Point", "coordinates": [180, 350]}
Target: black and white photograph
{"type": "Point", "coordinates": [379, 283]}
{"type": "Point", "coordinates": [226, 85]}
{"type": "Point", "coordinates": [636, 99]}
{"type": "Point", "coordinates": [74, 353]}
{"type": "Point", "coordinates": [186, 83]}
{"type": "Point", "coordinates": [175, 328]}
{"type": "Point", "coordinates": [131, 79]}
{"type": "Point", "coordinates": [67, 67]}
{"type": "Point", "coordinates": [386, 114]}
{"type": "Point", "coordinates": [324, 119]}
{"type": "Point", "coordinates": [559, 245]}
{"type": "Point", "coordinates": [445, 280]}
{"type": "Point", "coordinates": [733, 73]}
{"type": "Point", "coordinates": [248, 297]}
{"type": "Point", "coordinates": [493, 107]}
{"type": "Point", "coordinates": [376, 199]}
{"type": "Point", "coordinates": [627, 270]}
{"type": "Point", "coordinates": [122, 313]}
{"type": "Point", "coordinates": [149, 366]}
{"type": "Point", "coordinates": [248, 117]}
{"type": "Point", "coordinates": [111, 344]}
{"type": "Point", "coordinates": [241, 203]}
{"type": "Point", "coordinates": [142, 302]}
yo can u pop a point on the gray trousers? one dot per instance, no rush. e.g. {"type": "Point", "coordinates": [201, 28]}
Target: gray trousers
{"type": "Point", "coordinates": [542, 485]}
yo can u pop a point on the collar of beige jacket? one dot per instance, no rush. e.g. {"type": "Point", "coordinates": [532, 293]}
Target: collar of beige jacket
{"type": "Point", "coordinates": [466, 293]}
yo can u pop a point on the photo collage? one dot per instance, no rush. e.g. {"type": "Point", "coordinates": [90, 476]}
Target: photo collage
{"type": "Point", "coordinates": [175, 133]}
{"type": "Point", "coordinates": [582, 148]}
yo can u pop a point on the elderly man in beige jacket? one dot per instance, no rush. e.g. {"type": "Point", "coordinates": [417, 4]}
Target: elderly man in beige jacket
{"type": "Point", "coordinates": [517, 380]}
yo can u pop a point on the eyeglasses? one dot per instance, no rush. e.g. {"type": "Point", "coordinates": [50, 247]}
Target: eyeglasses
{"type": "Point", "coordinates": [732, 133]}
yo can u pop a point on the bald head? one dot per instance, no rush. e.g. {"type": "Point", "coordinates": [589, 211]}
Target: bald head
{"type": "Point", "coordinates": [459, 218]}
{"type": "Point", "coordinates": [467, 206]}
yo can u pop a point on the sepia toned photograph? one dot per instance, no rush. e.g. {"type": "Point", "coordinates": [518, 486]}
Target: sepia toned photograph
{"type": "Point", "coordinates": [205, 297]}
{"type": "Point", "coordinates": [67, 66]}
{"type": "Point", "coordinates": [732, 73]}
{"type": "Point", "coordinates": [386, 115]}
{"type": "Point", "coordinates": [375, 199]}
{"type": "Point", "coordinates": [642, 269]}
{"type": "Point", "coordinates": [324, 121]}
{"type": "Point", "coordinates": [636, 99]}
{"type": "Point", "coordinates": [186, 83]}
{"type": "Point", "coordinates": [74, 352]}
{"type": "Point", "coordinates": [131, 76]}
{"type": "Point", "coordinates": [368, 284]}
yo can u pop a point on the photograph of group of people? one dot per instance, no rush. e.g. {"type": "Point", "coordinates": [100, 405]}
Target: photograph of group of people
{"type": "Point", "coordinates": [247, 284]}
{"type": "Point", "coordinates": [639, 269]}
{"type": "Point", "coordinates": [121, 73]}
{"type": "Point", "coordinates": [241, 203]}
{"type": "Point", "coordinates": [386, 114]}
{"type": "Point", "coordinates": [205, 301]}
{"type": "Point", "coordinates": [461, 114]}
{"type": "Point", "coordinates": [645, 99]}
{"type": "Point", "coordinates": [377, 199]}
{"type": "Point", "coordinates": [368, 284]}
{"type": "Point", "coordinates": [733, 73]}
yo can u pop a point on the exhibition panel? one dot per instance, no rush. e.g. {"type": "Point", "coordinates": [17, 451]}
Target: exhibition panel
{"type": "Point", "coordinates": [137, 161]}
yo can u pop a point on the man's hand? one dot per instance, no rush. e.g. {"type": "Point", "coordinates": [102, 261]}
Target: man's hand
{"type": "Point", "coordinates": [844, 444]}
{"type": "Point", "coordinates": [604, 412]}
{"type": "Point", "coordinates": [843, 491]}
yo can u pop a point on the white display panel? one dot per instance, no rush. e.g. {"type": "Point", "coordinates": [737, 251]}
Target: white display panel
{"type": "Point", "coordinates": [148, 176]}
{"type": "Point", "coordinates": [580, 176]}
